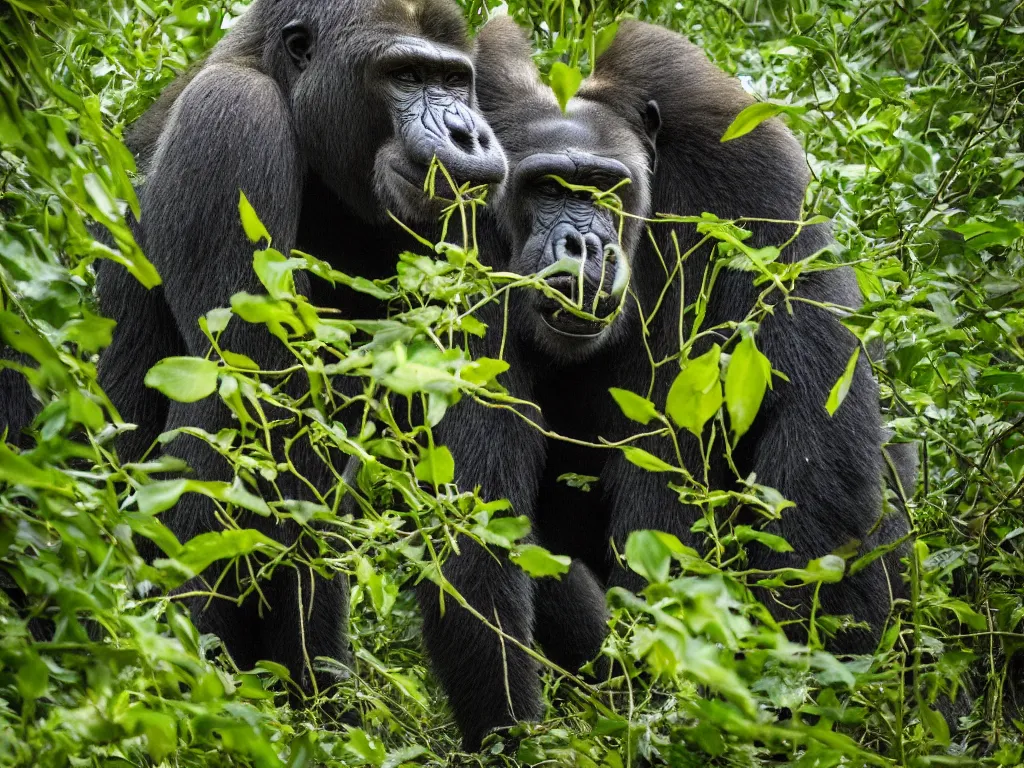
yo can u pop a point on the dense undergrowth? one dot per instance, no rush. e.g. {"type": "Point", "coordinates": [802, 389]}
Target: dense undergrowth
{"type": "Point", "coordinates": [911, 116]}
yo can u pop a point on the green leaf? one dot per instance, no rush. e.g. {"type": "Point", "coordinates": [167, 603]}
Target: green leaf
{"type": "Point", "coordinates": [605, 38]}
{"type": "Point", "coordinates": [217, 319]}
{"type": "Point", "coordinates": [538, 562]}
{"type": "Point", "coordinates": [483, 370]}
{"type": "Point", "coordinates": [185, 379]}
{"type": "Point", "coordinates": [646, 460]}
{"type": "Point", "coordinates": [564, 81]}
{"type": "Point", "coordinates": [251, 223]}
{"type": "Point", "coordinates": [748, 375]}
{"type": "Point", "coordinates": [33, 676]}
{"type": "Point", "coordinates": [634, 407]}
{"type": "Point", "coordinates": [696, 394]}
{"type": "Point", "coordinates": [649, 553]}
{"type": "Point", "coordinates": [155, 497]}
{"type": "Point", "coordinates": [751, 117]}
{"type": "Point", "coordinates": [276, 272]}
{"type": "Point", "coordinates": [503, 531]}
{"type": "Point", "coordinates": [745, 533]}
{"type": "Point", "coordinates": [842, 387]}
{"type": "Point", "coordinates": [436, 466]}
{"type": "Point", "coordinates": [200, 551]}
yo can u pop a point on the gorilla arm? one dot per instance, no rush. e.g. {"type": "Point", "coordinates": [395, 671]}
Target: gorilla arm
{"type": "Point", "coordinates": [831, 467]}
{"type": "Point", "coordinates": [230, 130]}
{"type": "Point", "coordinates": [490, 681]}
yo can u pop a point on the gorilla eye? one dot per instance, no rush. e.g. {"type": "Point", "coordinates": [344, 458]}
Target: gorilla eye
{"type": "Point", "coordinates": [407, 75]}
{"type": "Point", "coordinates": [549, 188]}
{"type": "Point", "coordinates": [298, 43]}
{"type": "Point", "coordinates": [457, 80]}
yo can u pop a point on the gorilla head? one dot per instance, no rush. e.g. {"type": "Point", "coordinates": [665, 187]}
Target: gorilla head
{"type": "Point", "coordinates": [574, 239]}
{"type": "Point", "coordinates": [393, 80]}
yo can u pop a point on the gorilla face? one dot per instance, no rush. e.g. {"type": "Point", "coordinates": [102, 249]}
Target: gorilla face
{"type": "Point", "coordinates": [572, 237]}
{"type": "Point", "coordinates": [374, 105]}
{"type": "Point", "coordinates": [429, 90]}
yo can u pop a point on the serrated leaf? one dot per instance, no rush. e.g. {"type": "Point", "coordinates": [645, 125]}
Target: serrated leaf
{"type": "Point", "coordinates": [185, 379]}
{"type": "Point", "coordinates": [634, 407]}
{"type": "Point", "coordinates": [842, 387]}
{"type": "Point", "coordinates": [251, 223]}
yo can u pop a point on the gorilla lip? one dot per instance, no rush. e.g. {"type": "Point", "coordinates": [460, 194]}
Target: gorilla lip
{"type": "Point", "coordinates": [562, 321]}
{"type": "Point", "coordinates": [408, 174]}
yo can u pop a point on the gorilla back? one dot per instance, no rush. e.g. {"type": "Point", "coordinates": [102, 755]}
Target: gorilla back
{"type": "Point", "coordinates": [652, 114]}
{"type": "Point", "coordinates": [326, 114]}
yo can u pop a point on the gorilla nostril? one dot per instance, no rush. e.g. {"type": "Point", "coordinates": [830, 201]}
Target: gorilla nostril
{"type": "Point", "coordinates": [574, 247]}
{"type": "Point", "coordinates": [485, 141]}
{"type": "Point", "coordinates": [463, 139]}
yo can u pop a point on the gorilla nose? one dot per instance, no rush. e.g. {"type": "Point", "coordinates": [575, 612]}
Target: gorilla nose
{"type": "Point", "coordinates": [473, 154]}
{"type": "Point", "coordinates": [574, 254]}
{"type": "Point", "coordinates": [570, 243]}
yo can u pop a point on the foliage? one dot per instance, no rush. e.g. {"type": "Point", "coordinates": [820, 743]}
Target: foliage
{"type": "Point", "coordinates": [911, 118]}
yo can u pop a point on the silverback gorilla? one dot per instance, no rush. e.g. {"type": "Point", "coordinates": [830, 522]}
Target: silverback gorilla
{"type": "Point", "coordinates": [326, 114]}
{"type": "Point", "coordinates": [652, 113]}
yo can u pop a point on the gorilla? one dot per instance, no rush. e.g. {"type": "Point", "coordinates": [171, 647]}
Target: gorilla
{"type": "Point", "coordinates": [326, 114]}
{"type": "Point", "coordinates": [648, 123]}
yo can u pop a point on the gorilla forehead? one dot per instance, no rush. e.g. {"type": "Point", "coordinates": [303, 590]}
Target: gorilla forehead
{"type": "Point", "coordinates": [585, 129]}
{"type": "Point", "coordinates": [357, 20]}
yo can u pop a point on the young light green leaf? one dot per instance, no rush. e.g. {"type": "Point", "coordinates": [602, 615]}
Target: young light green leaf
{"type": "Point", "coordinates": [745, 533]}
{"type": "Point", "coordinates": [251, 223]}
{"type": "Point", "coordinates": [696, 394]}
{"type": "Point", "coordinates": [564, 81]}
{"type": "Point", "coordinates": [185, 379]}
{"type": "Point", "coordinates": [503, 531]}
{"type": "Point", "coordinates": [842, 387]}
{"type": "Point", "coordinates": [649, 553]}
{"type": "Point", "coordinates": [436, 466]}
{"type": "Point", "coordinates": [748, 375]}
{"type": "Point", "coordinates": [636, 408]}
{"type": "Point", "coordinates": [605, 38]}
{"type": "Point", "coordinates": [646, 460]}
{"type": "Point", "coordinates": [751, 117]}
{"type": "Point", "coordinates": [206, 548]}
{"type": "Point", "coordinates": [538, 562]}
{"type": "Point", "coordinates": [160, 495]}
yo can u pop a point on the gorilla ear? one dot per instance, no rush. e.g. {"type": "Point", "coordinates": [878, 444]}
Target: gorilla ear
{"type": "Point", "coordinates": [298, 42]}
{"type": "Point", "coordinates": [652, 124]}
{"type": "Point", "coordinates": [652, 119]}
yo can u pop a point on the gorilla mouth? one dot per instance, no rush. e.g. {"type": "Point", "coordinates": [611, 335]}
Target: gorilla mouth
{"type": "Point", "coordinates": [415, 176]}
{"type": "Point", "coordinates": [562, 321]}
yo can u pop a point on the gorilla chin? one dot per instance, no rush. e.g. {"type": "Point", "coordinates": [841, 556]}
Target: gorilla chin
{"type": "Point", "coordinates": [400, 185]}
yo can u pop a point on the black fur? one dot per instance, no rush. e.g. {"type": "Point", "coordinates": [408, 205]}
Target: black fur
{"type": "Point", "coordinates": [655, 110]}
{"type": "Point", "coordinates": [317, 111]}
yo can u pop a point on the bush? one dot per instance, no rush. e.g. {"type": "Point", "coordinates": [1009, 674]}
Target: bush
{"type": "Point", "coordinates": [911, 119]}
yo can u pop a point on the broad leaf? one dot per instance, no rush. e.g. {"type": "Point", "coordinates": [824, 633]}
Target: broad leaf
{"type": "Point", "coordinates": [696, 394]}
{"type": "Point", "coordinates": [185, 379]}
